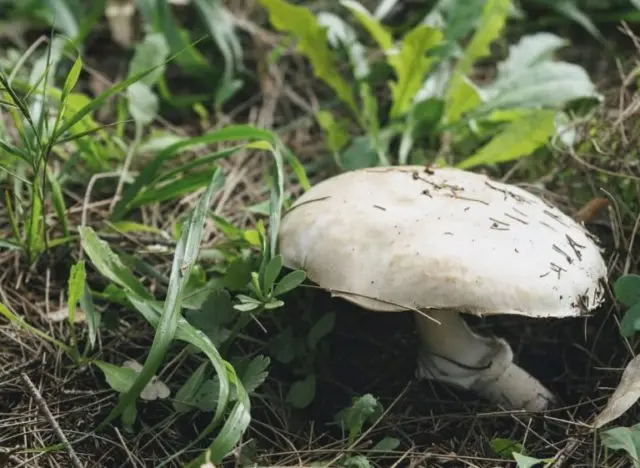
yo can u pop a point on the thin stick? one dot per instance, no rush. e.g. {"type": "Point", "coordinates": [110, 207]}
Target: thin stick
{"type": "Point", "coordinates": [47, 413]}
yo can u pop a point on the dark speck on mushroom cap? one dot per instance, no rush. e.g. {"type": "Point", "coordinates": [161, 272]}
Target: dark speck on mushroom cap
{"type": "Point", "coordinates": [473, 244]}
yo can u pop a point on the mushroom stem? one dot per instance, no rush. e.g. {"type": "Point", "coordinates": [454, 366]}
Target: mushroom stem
{"type": "Point", "coordinates": [452, 353]}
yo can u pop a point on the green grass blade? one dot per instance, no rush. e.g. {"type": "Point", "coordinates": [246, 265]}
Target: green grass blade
{"type": "Point", "coordinates": [185, 257]}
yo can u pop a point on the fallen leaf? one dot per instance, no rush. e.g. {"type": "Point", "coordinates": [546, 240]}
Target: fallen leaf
{"type": "Point", "coordinates": [156, 389]}
{"type": "Point", "coordinates": [624, 397]}
{"type": "Point", "coordinates": [62, 315]}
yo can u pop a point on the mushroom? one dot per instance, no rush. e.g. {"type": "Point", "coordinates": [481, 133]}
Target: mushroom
{"type": "Point", "coordinates": [441, 242]}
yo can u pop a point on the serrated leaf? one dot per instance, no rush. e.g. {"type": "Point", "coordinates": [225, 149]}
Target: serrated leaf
{"type": "Point", "coordinates": [528, 51]}
{"type": "Point", "coordinates": [376, 29]}
{"type": "Point", "coordinates": [494, 16]}
{"type": "Point", "coordinates": [312, 42]}
{"type": "Point", "coordinates": [411, 65]}
{"type": "Point", "coordinates": [546, 84]}
{"type": "Point", "coordinates": [255, 373]}
{"type": "Point", "coordinates": [519, 138]}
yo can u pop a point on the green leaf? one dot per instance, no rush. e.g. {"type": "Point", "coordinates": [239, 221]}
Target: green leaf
{"type": "Point", "coordinates": [627, 289]}
{"type": "Point", "coordinates": [255, 373]}
{"type": "Point", "coordinates": [271, 273]}
{"type": "Point", "coordinates": [143, 103]}
{"type": "Point", "coordinates": [312, 42]}
{"type": "Point", "coordinates": [630, 322]}
{"type": "Point", "coordinates": [63, 17]}
{"type": "Point", "coordinates": [504, 448]}
{"type": "Point", "coordinates": [289, 282]}
{"type": "Point", "coordinates": [529, 51]}
{"type": "Point", "coordinates": [337, 130]}
{"type": "Point", "coordinates": [412, 65]}
{"type": "Point", "coordinates": [624, 438]}
{"type": "Point", "coordinates": [221, 28]}
{"type": "Point", "coordinates": [387, 444]}
{"type": "Point", "coordinates": [185, 396]}
{"type": "Point", "coordinates": [519, 138]}
{"type": "Point", "coordinates": [76, 287]}
{"type": "Point", "coordinates": [525, 461]}
{"type": "Point", "coordinates": [150, 54]}
{"type": "Point", "coordinates": [355, 461]}
{"type": "Point", "coordinates": [546, 84]}
{"type": "Point", "coordinates": [467, 99]}
{"type": "Point", "coordinates": [377, 30]}
{"type": "Point", "coordinates": [364, 408]}
{"type": "Point", "coordinates": [94, 317]}
{"type": "Point", "coordinates": [494, 16]}
{"type": "Point", "coordinates": [302, 392]}
{"type": "Point", "coordinates": [119, 378]}
{"type": "Point", "coordinates": [321, 329]}
{"type": "Point", "coordinates": [108, 263]}
{"type": "Point", "coordinates": [359, 154]}
{"type": "Point", "coordinates": [185, 256]}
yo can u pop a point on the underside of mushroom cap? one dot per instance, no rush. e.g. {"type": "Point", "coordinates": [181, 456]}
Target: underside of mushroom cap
{"type": "Point", "coordinates": [398, 238]}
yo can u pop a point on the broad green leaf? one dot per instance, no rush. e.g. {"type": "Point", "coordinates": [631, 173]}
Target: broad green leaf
{"type": "Point", "coordinates": [411, 65]}
{"type": "Point", "coordinates": [530, 50]}
{"type": "Point", "coordinates": [504, 448]}
{"type": "Point", "coordinates": [624, 438]}
{"type": "Point", "coordinates": [94, 317]}
{"type": "Point", "coordinates": [77, 281]}
{"type": "Point", "coordinates": [108, 263]}
{"type": "Point", "coordinates": [320, 329]}
{"type": "Point", "coordinates": [359, 154]}
{"type": "Point", "coordinates": [302, 392]}
{"type": "Point", "coordinates": [519, 138]}
{"type": "Point", "coordinates": [468, 98]}
{"type": "Point", "coordinates": [35, 230]}
{"type": "Point", "coordinates": [290, 281]}
{"type": "Point", "coordinates": [387, 444]}
{"type": "Point", "coordinates": [185, 396]}
{"type": "Point", "coordinates": [119, 378]}
{"type": "Point", "coordinates": [627, 289]}
{"type": "Point", "coordinates": [525, 461]}
{"type": "Point", "coordinates": [494, 16]}
{"type": "Point", "coordinates": [630, 322]}
{"type": "Point", "coordinates": [150, 54]}
{"type": "Point", "coordinates": [313, 43]}
{"type": "Point", "coordinates": [546, 84]}
{"type": "Point", "coordinates": [143, 103]}
{"type": "Point", "coordinates": [376, 29]}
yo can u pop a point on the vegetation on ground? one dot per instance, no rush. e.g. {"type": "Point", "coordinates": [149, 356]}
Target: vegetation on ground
{"type": "Point", "coordinates": [147, 152]}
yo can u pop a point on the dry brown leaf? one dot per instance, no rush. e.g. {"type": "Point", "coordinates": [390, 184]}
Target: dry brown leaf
{"type": "Point", "coordinates": [624, 397]}
{"type": "Point", "coordinates": [62, 315]}
{"type": "Point", "coordinates": [156, 389]}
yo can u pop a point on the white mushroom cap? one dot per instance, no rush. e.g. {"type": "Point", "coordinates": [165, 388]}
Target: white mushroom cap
{"type": "Point", "coordinates": [398, 238]}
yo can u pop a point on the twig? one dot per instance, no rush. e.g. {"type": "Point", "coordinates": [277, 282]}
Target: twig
{"type": "Point", "coordinates": [47, 413]}
{"type": "Point", "coordinates": [565, 453]}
